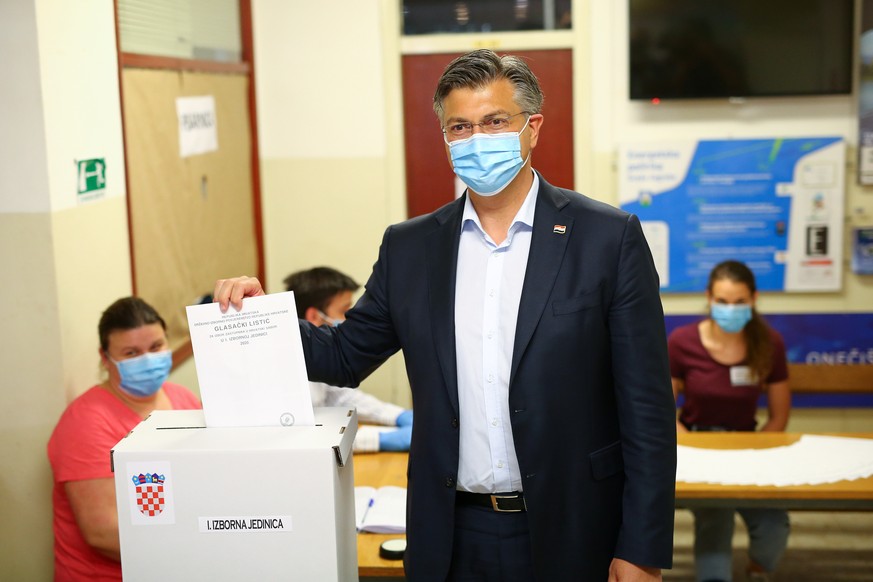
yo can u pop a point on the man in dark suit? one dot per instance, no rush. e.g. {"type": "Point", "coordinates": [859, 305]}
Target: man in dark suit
{"type": "Point", "coordinates": [544, 444]}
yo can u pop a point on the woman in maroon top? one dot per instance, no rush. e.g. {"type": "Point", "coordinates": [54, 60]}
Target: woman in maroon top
{"type": "Point", "coordinates": [723, 364]}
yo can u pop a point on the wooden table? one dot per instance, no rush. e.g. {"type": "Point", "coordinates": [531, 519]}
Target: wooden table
{"type": "Point", "coordinates": [854, 495]}
{"type": "Point", "coordinates": [381, 469]}
{"type": "Point", "coordinates": [376, 470]}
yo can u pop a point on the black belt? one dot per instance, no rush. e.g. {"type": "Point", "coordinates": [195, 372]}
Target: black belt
{"type": "Point", "coordinates": [503, 502]}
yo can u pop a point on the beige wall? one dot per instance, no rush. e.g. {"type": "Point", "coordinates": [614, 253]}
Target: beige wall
{"type": "Point", "coordinates": [329, 139]}
{"type": "Point", "coordinates": [63, 262]}
{"type": "Point", "coordinates": [33, 393]}
{"type": "Point", "coordinates": [92, 268]}
{"type": "Point", "coordinates": [330, 119]}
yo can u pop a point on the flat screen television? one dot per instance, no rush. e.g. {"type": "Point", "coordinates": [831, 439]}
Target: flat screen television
{"type": "Point", "coordinates": [694, 49]}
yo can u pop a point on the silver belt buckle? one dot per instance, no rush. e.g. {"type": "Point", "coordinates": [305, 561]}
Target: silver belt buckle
{"type": "Point", "coordinates": [496, 507]}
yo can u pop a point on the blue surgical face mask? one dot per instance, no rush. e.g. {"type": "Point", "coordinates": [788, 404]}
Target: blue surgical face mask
{"type": "Point", "coordinates": [329, 320]}
{"type": "Point", "coordinates": [731, 318]}
{"type": "Point", "coordinates": [144, 375]}
{"type": "Point", "coordinates": [488, 162]}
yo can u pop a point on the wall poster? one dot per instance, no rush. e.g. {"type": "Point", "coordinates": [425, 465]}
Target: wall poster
{"type": "Point", "coordinates": [775, 204]}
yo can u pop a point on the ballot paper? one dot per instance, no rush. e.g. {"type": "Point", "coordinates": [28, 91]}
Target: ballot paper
{"type": "Point", "coordinates": [250, 363]}
{"type": "Point", "coordinates": [812, 460]}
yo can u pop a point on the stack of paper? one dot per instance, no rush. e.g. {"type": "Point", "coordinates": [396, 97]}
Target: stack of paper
{"type": "Point", "coordinates": [381, 510]}
{"type": "Point", "coordinates": [812, 460]}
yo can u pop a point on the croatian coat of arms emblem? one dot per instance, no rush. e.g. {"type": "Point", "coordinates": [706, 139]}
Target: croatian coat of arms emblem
{"type": "Point", "coordinates": [149, 493]}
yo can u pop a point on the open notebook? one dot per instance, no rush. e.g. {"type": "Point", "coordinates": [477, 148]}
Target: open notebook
{"type": "Point", "coordinates": [381, 510]}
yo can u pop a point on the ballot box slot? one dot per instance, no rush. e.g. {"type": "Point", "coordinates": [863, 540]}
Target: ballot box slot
{"type": "Point", "coordinates": [178, 427]}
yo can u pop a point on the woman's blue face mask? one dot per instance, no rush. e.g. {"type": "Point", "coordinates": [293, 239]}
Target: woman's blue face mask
{"type": "Point", "coordinates": [731, 318]}
{"type": "Point", "coordinates": [144, 375]}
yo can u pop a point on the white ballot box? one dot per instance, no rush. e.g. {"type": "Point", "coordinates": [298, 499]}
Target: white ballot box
{"type": "Point", "coordinates": [248, 503]}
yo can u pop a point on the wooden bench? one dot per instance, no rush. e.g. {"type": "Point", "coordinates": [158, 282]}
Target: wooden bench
{"type": "Point", "coordinates": [825, 379]}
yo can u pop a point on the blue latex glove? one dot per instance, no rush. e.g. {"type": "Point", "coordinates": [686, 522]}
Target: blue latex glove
{"type": "Point", "coordinates": [395, 440]}
{"type": "Point", "coordinates": [404, 418]}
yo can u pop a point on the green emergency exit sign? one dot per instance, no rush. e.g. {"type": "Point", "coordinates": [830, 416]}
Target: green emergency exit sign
{"type": "Point", "coordinates": [91, 177]}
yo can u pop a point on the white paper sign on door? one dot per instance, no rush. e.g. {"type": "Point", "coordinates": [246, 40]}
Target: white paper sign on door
{"type": "Point", "coordinates": [198, 125]}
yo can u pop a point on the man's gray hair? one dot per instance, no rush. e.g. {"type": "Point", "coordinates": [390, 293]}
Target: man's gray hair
{"type": "Point", "coordinates": [479, 68]}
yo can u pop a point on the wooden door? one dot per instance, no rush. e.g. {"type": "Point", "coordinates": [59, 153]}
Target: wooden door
{"type": "Point", "coordinates": [192, 219]}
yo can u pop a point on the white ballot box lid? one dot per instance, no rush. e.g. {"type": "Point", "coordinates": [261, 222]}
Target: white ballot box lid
{"type": "Point", "coordinates": [186, 430]}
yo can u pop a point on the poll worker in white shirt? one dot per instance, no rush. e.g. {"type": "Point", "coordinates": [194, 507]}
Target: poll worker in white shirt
{"type": "Point", "coordinates": [323, 295]}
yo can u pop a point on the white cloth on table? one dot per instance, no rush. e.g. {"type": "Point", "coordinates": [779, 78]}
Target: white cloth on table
{"type": "Point", "coordinates": [812, 460]}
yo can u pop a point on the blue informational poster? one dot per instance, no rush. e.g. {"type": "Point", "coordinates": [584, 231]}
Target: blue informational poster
{"type": "Point", "coordinates": [775, 204]}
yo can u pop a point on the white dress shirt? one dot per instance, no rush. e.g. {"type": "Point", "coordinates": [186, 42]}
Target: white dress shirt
{"type": "Point", "coordinates": [487, 294]}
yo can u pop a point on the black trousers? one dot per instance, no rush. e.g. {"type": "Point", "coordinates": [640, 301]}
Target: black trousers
{"type": "Point", "coordinates": [490, 546]}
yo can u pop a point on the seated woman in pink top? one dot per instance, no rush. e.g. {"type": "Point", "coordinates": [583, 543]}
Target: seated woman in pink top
{"type": "Point", "coordinates": [723, 364]}
{"type": "Point", "coordinates": [135, 353]}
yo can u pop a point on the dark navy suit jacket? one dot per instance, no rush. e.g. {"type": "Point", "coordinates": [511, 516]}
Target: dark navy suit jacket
{"type": "Point", "coordinates": [591, 405]}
